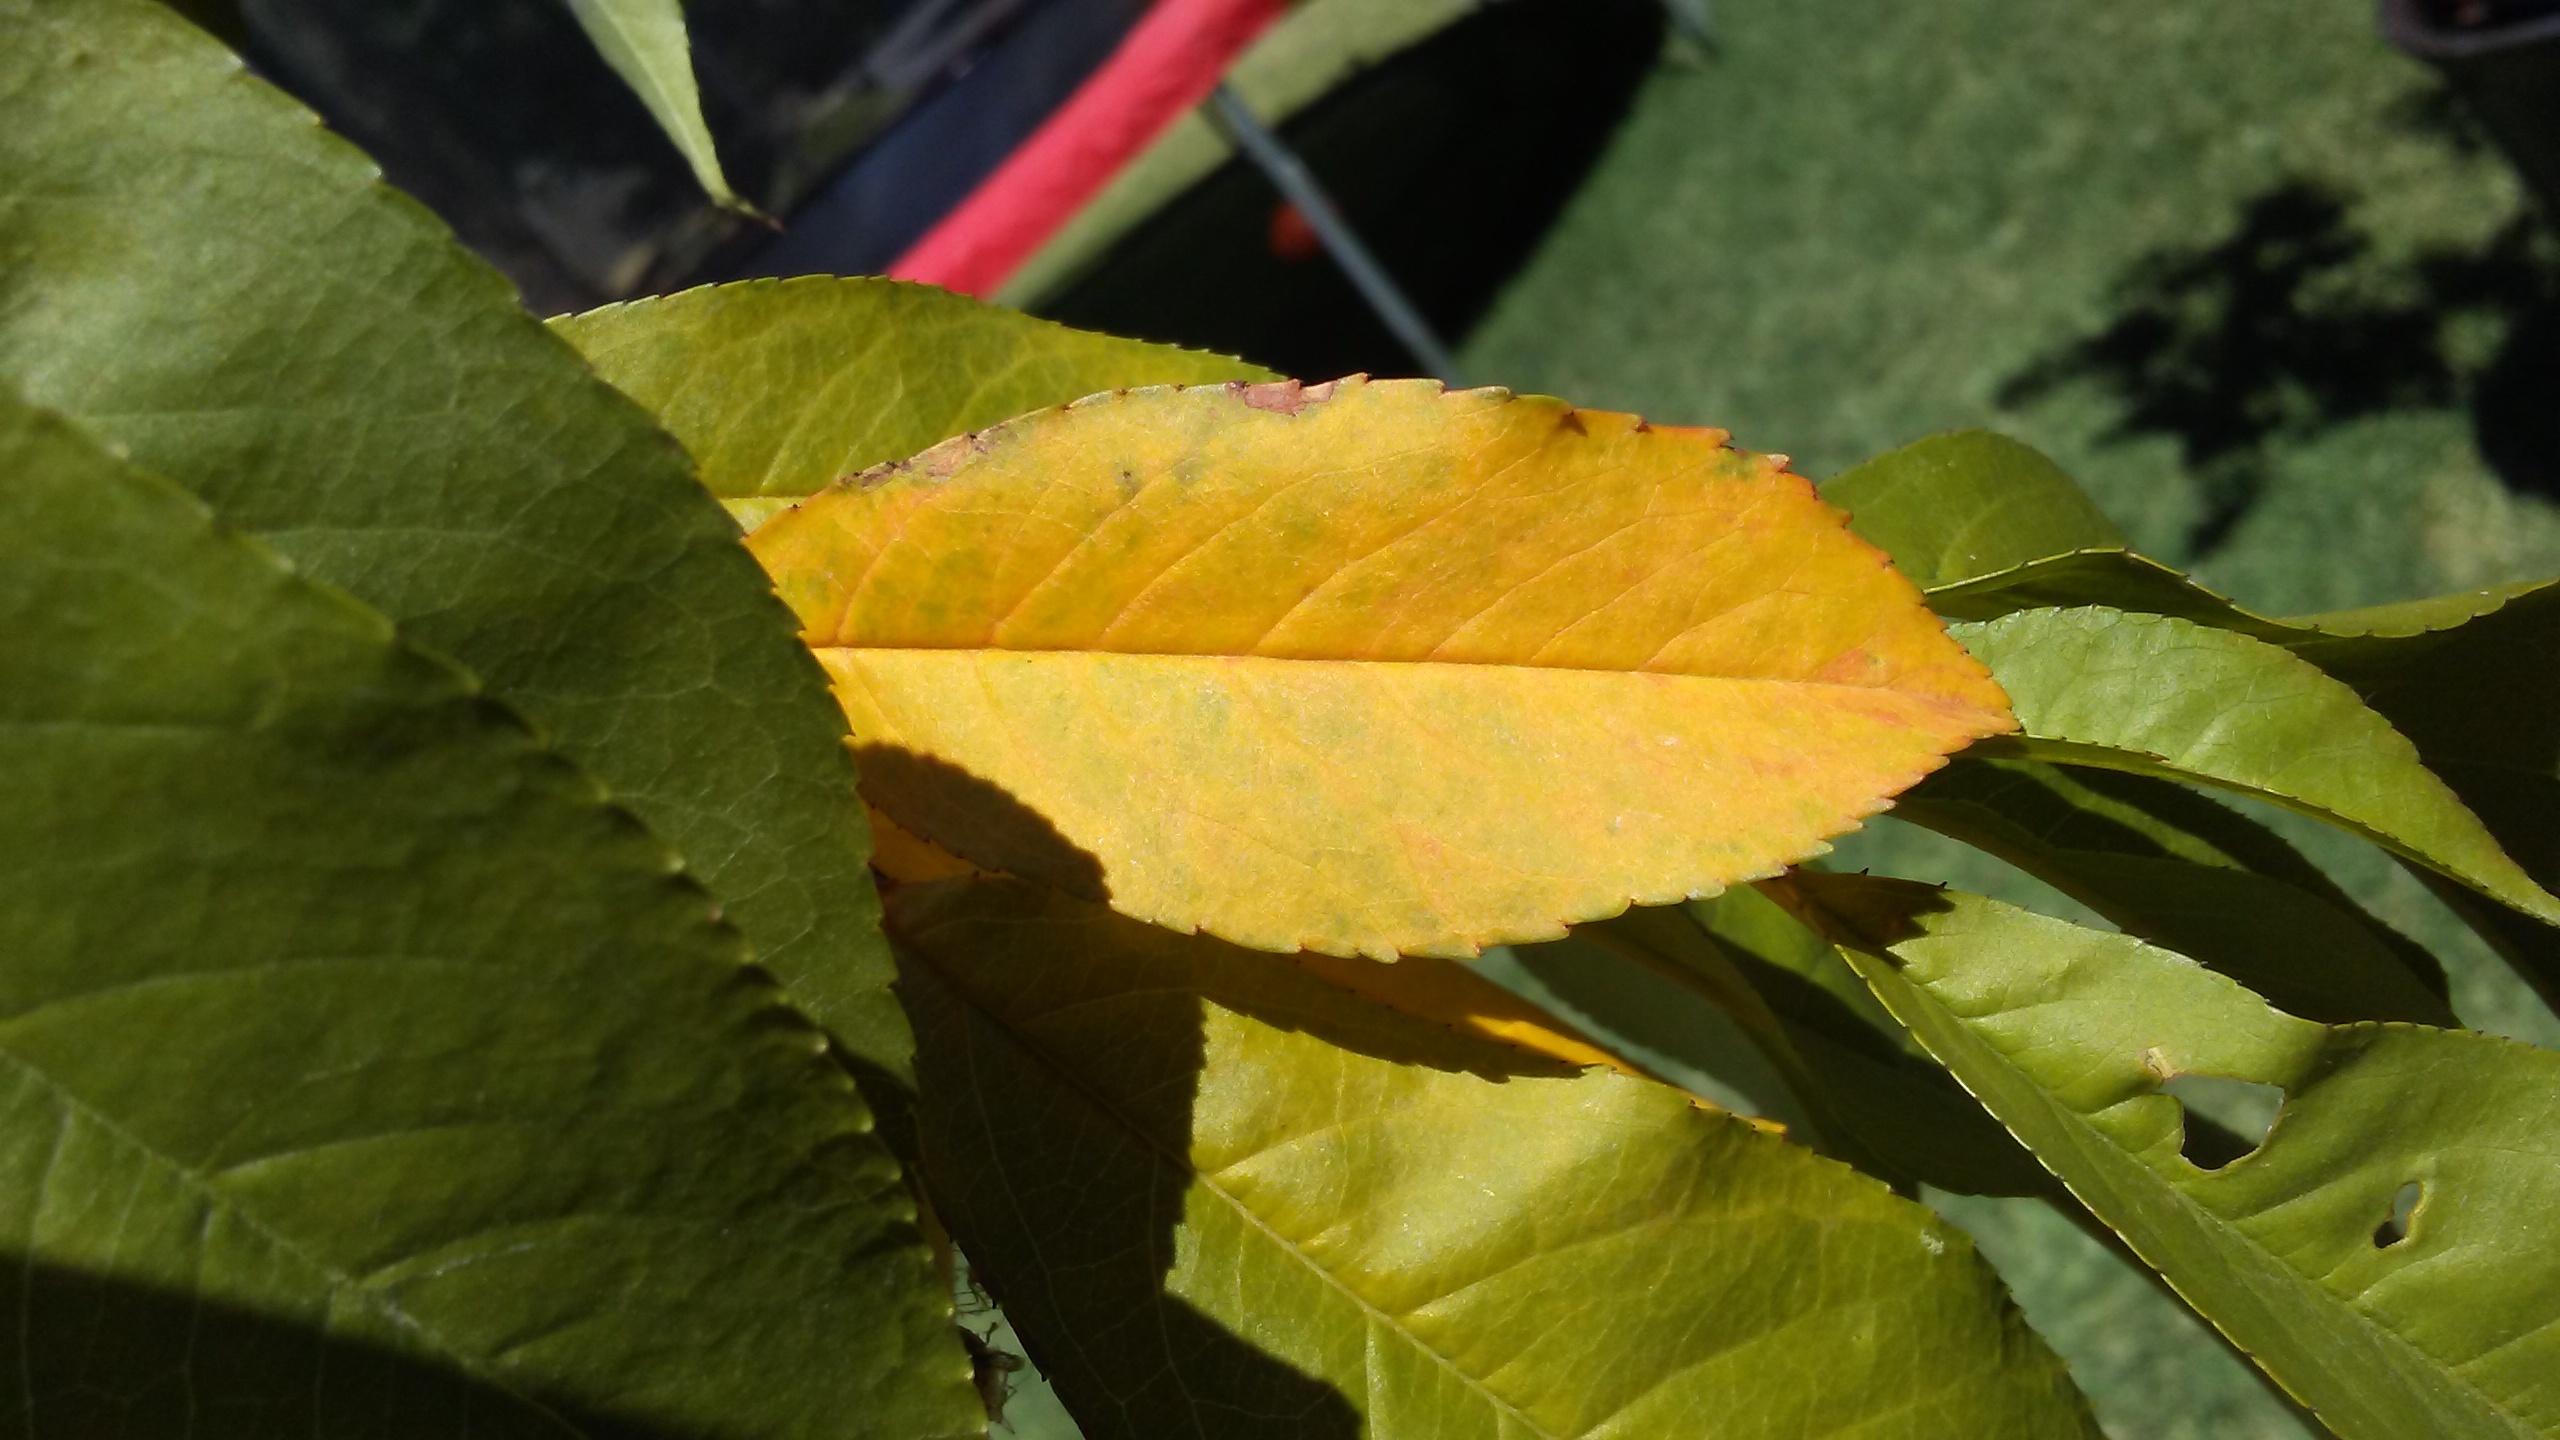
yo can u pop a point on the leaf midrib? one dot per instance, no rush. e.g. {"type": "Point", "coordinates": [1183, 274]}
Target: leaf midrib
{"type": "Point", "coordinates": [1929, 697]}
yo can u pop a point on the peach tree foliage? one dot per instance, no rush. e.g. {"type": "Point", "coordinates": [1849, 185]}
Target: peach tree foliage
{"type": "Point", "coordinates": [481, 947]}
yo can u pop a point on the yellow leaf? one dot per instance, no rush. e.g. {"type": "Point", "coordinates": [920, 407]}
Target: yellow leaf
{"type": "Point", "coordinates": [1443, 992]}
{"type": "Point", "coordinates": [1368, 668]}
{"type": "Point", "coordinates": [1451, 995]}
{"type": "Point", "coordinates": [906, 858]}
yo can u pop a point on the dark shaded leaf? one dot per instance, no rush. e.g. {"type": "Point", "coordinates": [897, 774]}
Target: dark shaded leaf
{"type": "Point", "coordinates": [1877, 1099]}
{"type": "Point", "coordinates": [2177, 869]}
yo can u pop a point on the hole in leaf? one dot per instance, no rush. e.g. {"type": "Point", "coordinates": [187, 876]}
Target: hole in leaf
{"type": "Point", "coordinates": [2403, 1205]}
{"type": "Point", "coordinates": [2225, 1119]}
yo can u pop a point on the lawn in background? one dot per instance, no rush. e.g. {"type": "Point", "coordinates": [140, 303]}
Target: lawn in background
{"type": "Point", "coordinates": [2234, 263]}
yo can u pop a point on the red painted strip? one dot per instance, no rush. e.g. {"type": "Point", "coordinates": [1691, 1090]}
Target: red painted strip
{"type": "Point", "coordinates": [1167, 64]}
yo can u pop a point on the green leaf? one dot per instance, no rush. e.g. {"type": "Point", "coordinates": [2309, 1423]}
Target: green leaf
{"type": "Point", "coordinates": [2127, 581]}
{"type": "Point", "coordinates": [2424, 665]}
{"type": "Point", "coordinates": [2165, 697]}
{"type": "Point", "coordinates": [1219, 1197]}
{"type": "Point", "coordinates": [1877, 1099]}
{"type": "Point", "coordinates": [2410, 619]}
{"type": "Point", "coordinates": [782, 387]}
{"type": "Point", "coordinates": [2481, 701]}
{"type": "Point", "coordinates": [1957, 506]}
{"type": "Point", "coordinates": [192, 268]}
{"type": "Point", "coordinates": [2120, 579]}
{"type": "Point", "coordinates": [2181, 871]}
{"type": "Point", "coordinates": [1988, 527]}
{"type": "Point", "coordinates": [362, 1067]}
{"type": "Point", "coordinates": [645, 43]}
{"type": "Point", "coordinates": [2068, 1035]}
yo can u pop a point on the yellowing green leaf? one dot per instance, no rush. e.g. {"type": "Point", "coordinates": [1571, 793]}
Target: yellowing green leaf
{"type": "Point", "coordinates": [2451, 1328]}
{"type": "Point", "coordinates": [645, 43]}
{"type": "Point", "coordinates": [363, 1068]}
{"type": "Point", "coordinates": [1221, 1198]}
{"type": "Point", "coordinates": [1367, 668]}
{"type": "Point", "coordinates": [780, 388]}
{"type": "Point", "coordinates": [2162, 696]}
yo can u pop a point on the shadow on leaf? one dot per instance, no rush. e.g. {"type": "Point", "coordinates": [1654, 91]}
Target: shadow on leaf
{"type": "Point", "coordinates": [1056, 1065]}
{"type": "Point", "coordinates": [976, 819]}
{"type": "Point", "coordinates": [98, 1355]}
{"type": "Point", "coordinates": [1062, 1052]}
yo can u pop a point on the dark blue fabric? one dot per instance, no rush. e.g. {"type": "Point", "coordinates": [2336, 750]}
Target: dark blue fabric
{"type": "Point", "coordinates": [927, 163]}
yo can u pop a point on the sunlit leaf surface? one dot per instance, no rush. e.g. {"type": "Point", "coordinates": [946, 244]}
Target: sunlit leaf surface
{"type": "Point", "coordinates": [1993, 530]}
{"type": "Point", "coordinates": [780, 388]}
{"type": "Point", "coordinates": [191, 267]}
{"type": "Point", "coordinates": [1367, 668]}
{"type": "Point", "coordinates": [363, 1069]}
{"type": "Point", "coordinates": [1221, 1198]}
{"type": "Point", "coordinates": [1954, 507]}
{"type": "Point", "coordinates": [2162, 696]}
{"type": "Point", "coordinates": [2385, 1253]}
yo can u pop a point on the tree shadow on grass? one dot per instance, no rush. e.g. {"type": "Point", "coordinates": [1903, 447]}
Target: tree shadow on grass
{"type": "Point", "coordinates": [2291, 325]}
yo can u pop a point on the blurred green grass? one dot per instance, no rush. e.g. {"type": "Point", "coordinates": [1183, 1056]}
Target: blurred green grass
{"type": "Point", "coordinates": [1861, 224]}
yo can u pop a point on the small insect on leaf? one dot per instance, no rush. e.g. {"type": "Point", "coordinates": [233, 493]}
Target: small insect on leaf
{"type": "Point", "coordinates": [991, 1369]}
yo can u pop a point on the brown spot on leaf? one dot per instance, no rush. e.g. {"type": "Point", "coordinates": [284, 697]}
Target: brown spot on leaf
{"type": "Point", "coordinates": [1283, 397]}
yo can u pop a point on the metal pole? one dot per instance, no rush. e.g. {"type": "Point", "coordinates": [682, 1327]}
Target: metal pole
{"type": "Point", "coordinates": [1296, 184]}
